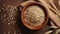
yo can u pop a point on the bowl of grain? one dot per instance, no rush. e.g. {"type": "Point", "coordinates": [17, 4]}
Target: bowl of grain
{"type": "Point", "coordinates": [34, 15]}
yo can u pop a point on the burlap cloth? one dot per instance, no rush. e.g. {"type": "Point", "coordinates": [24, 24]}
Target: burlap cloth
{"type": "Point", "coordinates": [10, 22]}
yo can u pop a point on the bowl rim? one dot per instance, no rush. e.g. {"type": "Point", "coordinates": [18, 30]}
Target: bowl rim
{"type": "Point", "coordinates": [22, 17]}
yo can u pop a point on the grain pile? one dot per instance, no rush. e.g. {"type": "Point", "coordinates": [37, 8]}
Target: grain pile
{"type": "Point", "coordinates": [34, 15]}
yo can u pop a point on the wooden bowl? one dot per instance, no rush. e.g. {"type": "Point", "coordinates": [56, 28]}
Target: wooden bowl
{"type": "Point", "coordinates": [45, 12]}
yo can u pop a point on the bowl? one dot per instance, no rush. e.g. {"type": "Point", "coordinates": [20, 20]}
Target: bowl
{"type": "Point", "coordinates": [26, 23]}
